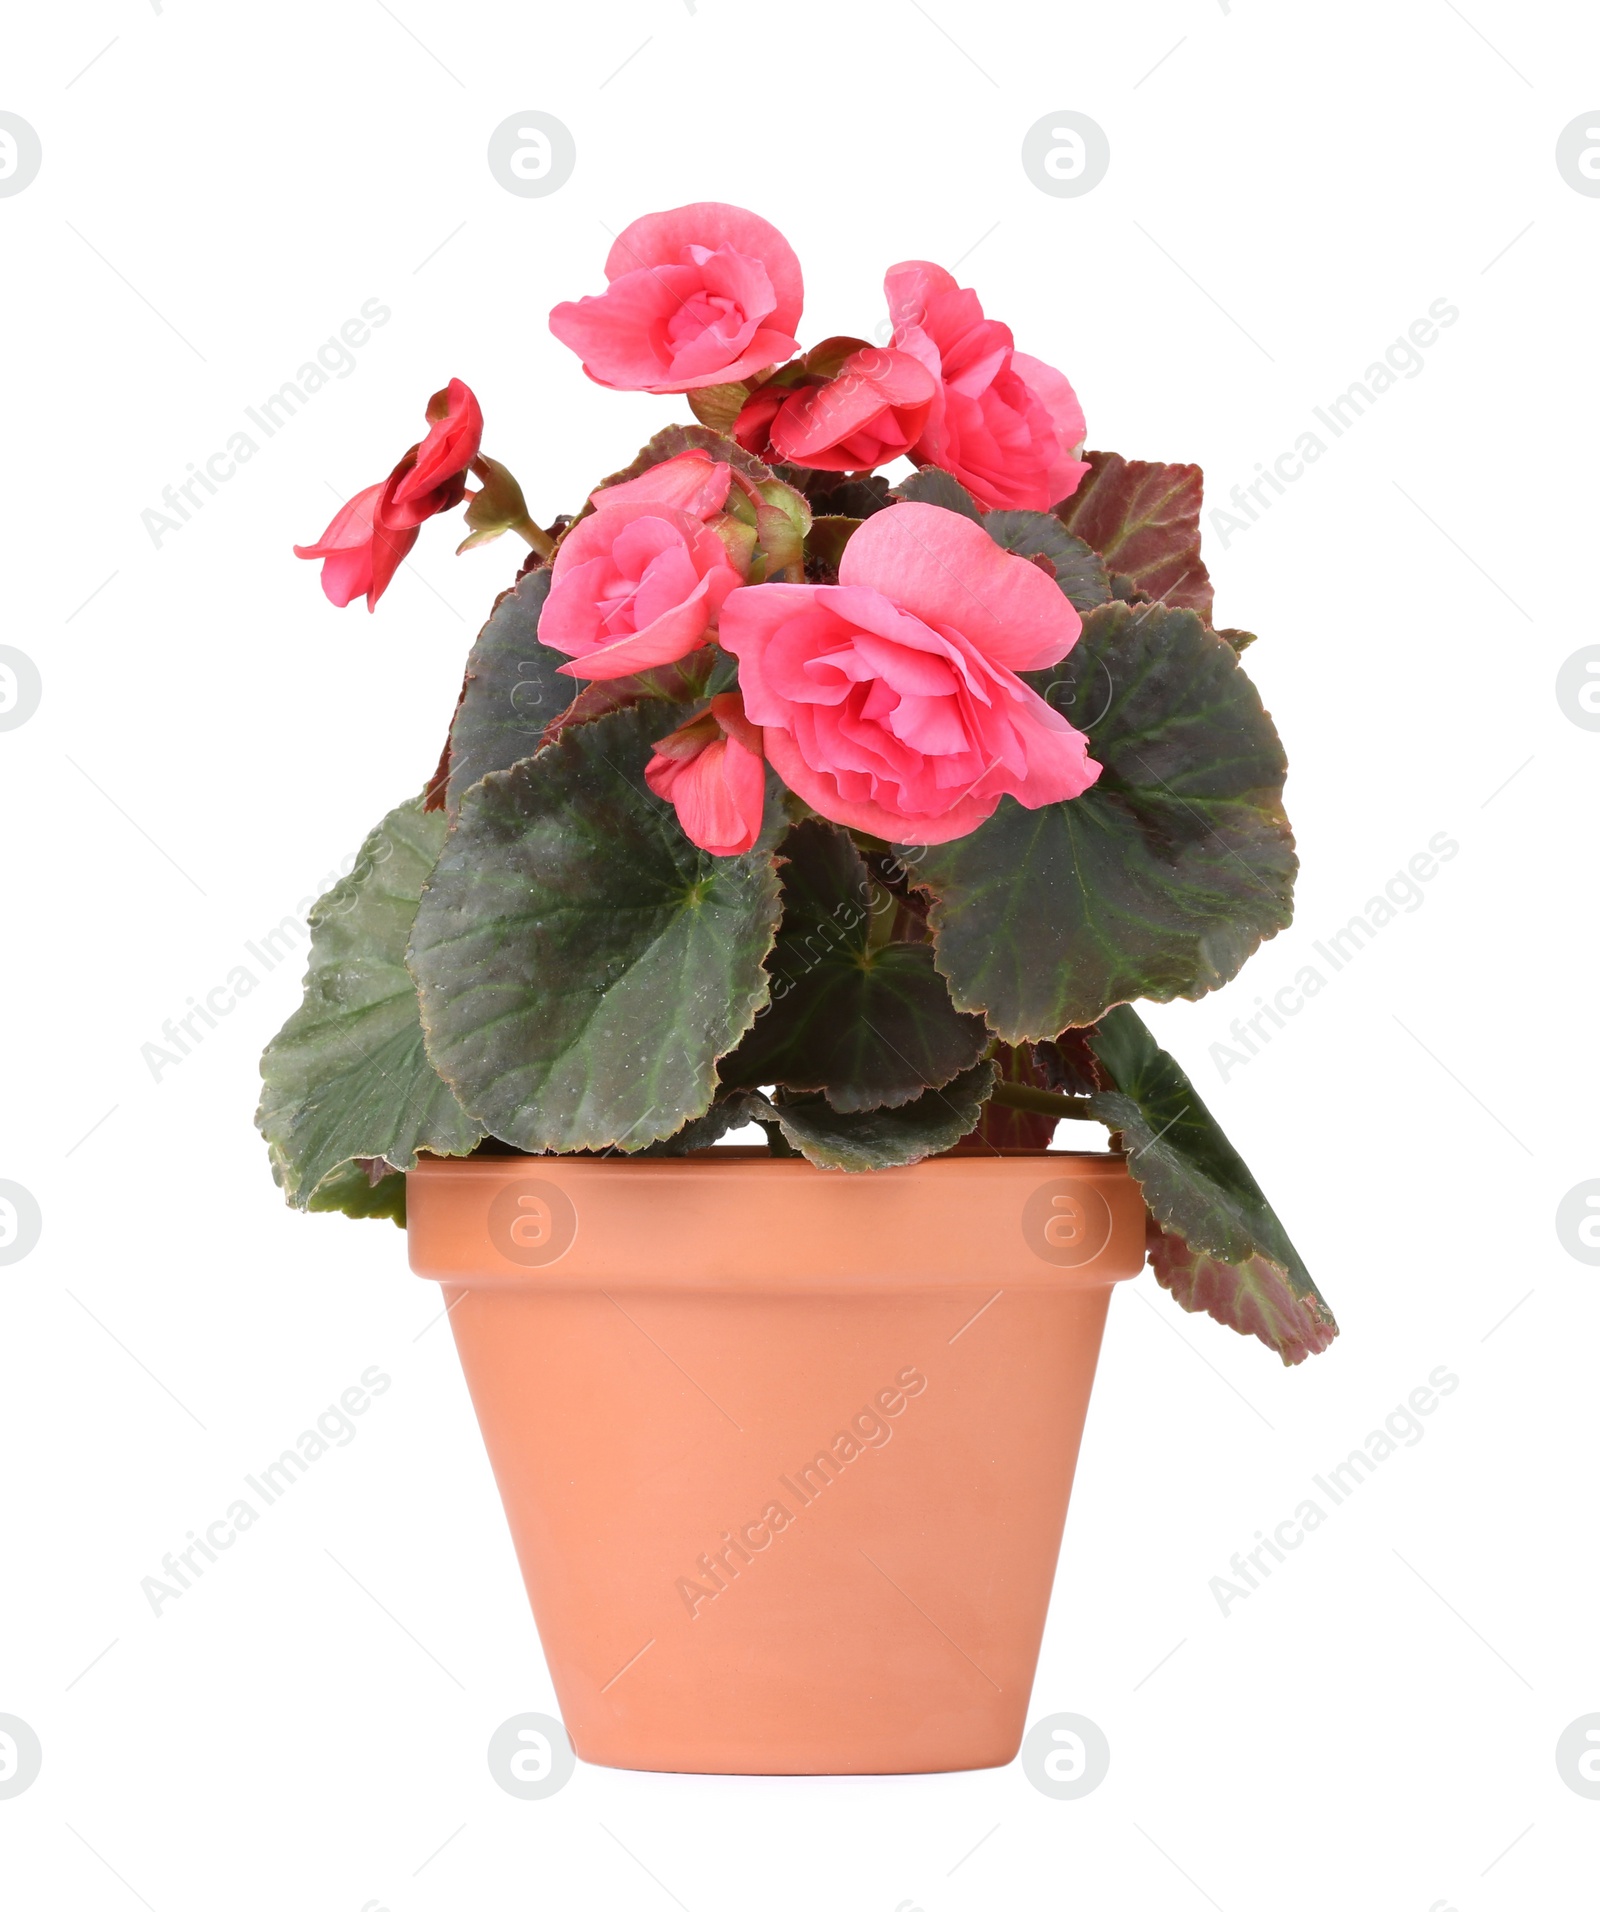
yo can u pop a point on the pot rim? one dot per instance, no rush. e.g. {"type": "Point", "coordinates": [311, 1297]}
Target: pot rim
{"type": "Point", "coordinates": [754, 1222]}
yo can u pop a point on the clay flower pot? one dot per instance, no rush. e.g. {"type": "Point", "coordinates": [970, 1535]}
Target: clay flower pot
{"type": "Point", "coordinates": [786, 1453]}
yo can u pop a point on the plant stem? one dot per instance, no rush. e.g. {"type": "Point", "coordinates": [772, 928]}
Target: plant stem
{"type": "Point", "coordinates": [530, 533]}
{"type": "Point", "coordinates": [1019, 1095]}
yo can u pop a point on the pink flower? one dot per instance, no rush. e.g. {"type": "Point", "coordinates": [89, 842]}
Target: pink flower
{"type": "Point", "coordinates": [703, 295]}
{"type": "Point", "coordinates": [432, 477]}
{"type": "Point", "coordinates": [363, 547]}
{"type": "Point", "coordinates": [634, 585]}
{"type": "Point", "coordinates": [872, 411]}
{"type": "Point", "coordinates": [1008, 426]}
{"type": "Point", "coordinates": [711, 772]}
{"type": "Point", "coordinates": [890, 701]}
{"type": "Point", "coordinates": [359, 557]}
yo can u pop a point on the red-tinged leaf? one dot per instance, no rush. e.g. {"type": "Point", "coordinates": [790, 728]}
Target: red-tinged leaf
{"type": "Point", "coordinates": [782, 519]}
{"type": "Point", "coordinates": [1251, 1297]}
{"type": "Point", "coordinates": [1067, 1065]}
{"type": "Point", "coordinates": [676, 439]}
{"type": "Point", "coordinates": [1144, 520]}
{"type": "Point", "coordinates": [1225, 1249]}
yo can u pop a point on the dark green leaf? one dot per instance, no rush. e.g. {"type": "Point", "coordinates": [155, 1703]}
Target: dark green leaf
{"type": "Point", "coordinates": [934, 486]}
{"type": "Point", "coordinates": [705, 1131]}
{"type": "Point", "coordinates": [514, 693]}
{"type": "Point", "coordinates": [351, 1190]}
{"type": "Point", "coordinates": [582, 964]}
{"type": "Point", "coordinates": [833, 494]}
{"type": "Point", "coordinates": [1144, 520]}
{"type": "Point", "coordinates": [1035, 534]}
{"type": "Point", "coordinates": [883, 1138]}
{"type": "Point", "coordinates": [512, 690]}
{"type": "Point", "coordinates": [347, 1075]}
{"type": "Point", "coordinates": [825, 543]}
{"type": "Point", "coordinates": [1160, 879]}
{"type": "Point", "coordinates": [1223, 1251]}
{"type": "Point", "coordinates": [867, 1022]}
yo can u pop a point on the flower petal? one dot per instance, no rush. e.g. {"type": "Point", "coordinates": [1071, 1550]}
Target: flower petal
{"type": "Point", "coordinates": [950, 573]}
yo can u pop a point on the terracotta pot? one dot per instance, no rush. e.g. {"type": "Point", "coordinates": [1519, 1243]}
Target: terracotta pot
{"type": "Point", "coordinates": [786, 1453]}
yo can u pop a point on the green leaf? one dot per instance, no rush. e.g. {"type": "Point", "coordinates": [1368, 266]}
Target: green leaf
{"type": "Point", "coordinates": [837, 495]}
{"type": "Point", "coordinates": [1223, 1250]}
{"type": "Point", "coordinates": [496, 508]}
{"type": "Point", "coordinates": [582, 964]}
{"type": "Point", "coordinates": [1144, 520]}
{"type": "Point", "coordinates": [782, 519]}
{"type": "Point", "coordinates": [868, 1022]}
{"type": "Point", "coordinates": [825, 547]}
{"type": "Point", "coordinates": [705, 1131]}
{"type": "Point", "coordinates": [351, 1190]}
{"type": "Point", "coordinates": [718, 406]}
{"type": "Point", "coordinates": [932, 485]}
{"type": "Point", "coordinates": [511, 691]}
{"type": "Point", "coordinates": [347, 1074]}
{"type": "Point", "coordinates": [882, 1138]}
{"type": "Point", "coordinates": [827, 359]}
{"type": "Point", "coordinates": [1162, 877]}
{"type": "Point", "coordinates": [1036, 535]}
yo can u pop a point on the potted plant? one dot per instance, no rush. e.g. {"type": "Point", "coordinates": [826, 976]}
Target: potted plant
{"type": "Point", "coordinates": [781, 794]}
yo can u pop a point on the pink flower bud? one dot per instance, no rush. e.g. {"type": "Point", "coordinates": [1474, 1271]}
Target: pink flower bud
{"type": "Point", "coordinates": [712, 772]}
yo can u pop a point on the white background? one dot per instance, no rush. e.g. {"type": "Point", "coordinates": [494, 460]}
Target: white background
{"type": "Point", "coordinates": [1289, 189]}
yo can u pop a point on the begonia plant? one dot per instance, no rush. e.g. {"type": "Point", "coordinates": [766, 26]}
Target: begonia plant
{"type": "Point", "coordinates": [783, 792]}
